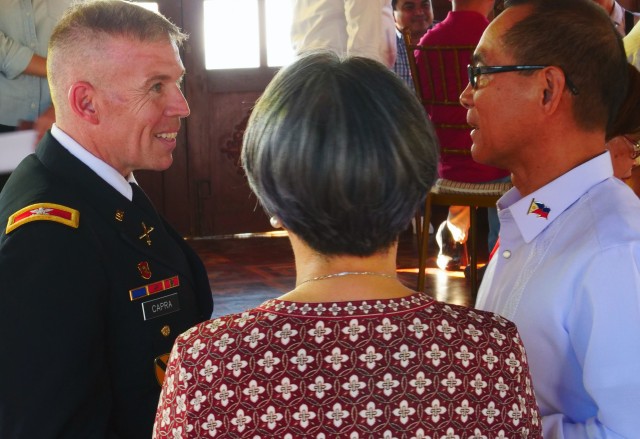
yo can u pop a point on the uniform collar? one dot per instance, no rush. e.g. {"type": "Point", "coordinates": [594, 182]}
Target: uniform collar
{"type": "Point", "coordinates": [533, 213]}
{"type": "Point", "coordinates": [104, 171]}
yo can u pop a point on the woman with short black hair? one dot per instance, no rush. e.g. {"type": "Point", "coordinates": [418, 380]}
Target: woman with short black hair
{"type": "Point", "coordinates": [341, 154]}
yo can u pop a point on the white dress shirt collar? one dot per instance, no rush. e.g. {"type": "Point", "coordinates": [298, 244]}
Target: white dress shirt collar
{"type": "Point", "coordinates": [533, 213]}
{"type": "Point", "coordinates": [104, 170]}
{"type": "Point", "coordinates": [617, 15]}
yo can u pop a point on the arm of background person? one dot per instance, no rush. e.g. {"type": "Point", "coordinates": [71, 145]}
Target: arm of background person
{"type": "Point", "coordinates": [44, 122]}
{"type": "Point", "coordinates": [621, 151]}
{"type": "Point", "coordinates": [632, 46]}
{"type": "Point", "coordinates": [371, 30]}
{"type": "Point", "coordinates": [604, 325]}
{"type": "Point", "coordinates": [37, 66]}
{"type": "Point", "coordinates": [16, 59]}
{"type": "Point", "coordinates": [54, 376]}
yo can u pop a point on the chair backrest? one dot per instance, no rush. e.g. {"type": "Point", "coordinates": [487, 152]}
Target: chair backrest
{"type": "Point", "coordinates": [439, 73]}
{"type": "Point", "coordinates": [439, 76]}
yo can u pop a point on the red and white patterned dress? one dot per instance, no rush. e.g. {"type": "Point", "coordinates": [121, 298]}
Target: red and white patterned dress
{"type": "Point", "coordinates": [397, 368]}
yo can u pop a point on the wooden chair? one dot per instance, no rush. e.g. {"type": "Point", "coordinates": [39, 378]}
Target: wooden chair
{"type": "Point", "coordinates": [440, 90]}
{"type": "Point", "coordinates": [453, 193]}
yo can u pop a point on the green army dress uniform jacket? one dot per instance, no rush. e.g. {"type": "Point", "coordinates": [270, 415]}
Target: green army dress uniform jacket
{"type": "Point", "coordinates": [94, 290]}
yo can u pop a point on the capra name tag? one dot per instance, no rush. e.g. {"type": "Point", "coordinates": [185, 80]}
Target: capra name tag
{"type": "Point", "coordinates": [160, 307]}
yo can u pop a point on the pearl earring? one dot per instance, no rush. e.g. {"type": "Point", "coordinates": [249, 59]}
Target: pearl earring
{"type": "Point", "coordinates": [275, 222]}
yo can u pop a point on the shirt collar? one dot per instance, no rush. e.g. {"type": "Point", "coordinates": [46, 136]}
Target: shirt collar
{"type": "Point", "coordinates": [104, 171]}
{"type": "Point", "coordinates": [617, 14]}
{"type": "Point", "coordinates": [533, 213]}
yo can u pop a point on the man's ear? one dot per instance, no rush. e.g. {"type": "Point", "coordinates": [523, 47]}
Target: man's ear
{"type": "Point", "coordinates": [554, 84]}
{"type": "Point", "coordinates": [81, 101]}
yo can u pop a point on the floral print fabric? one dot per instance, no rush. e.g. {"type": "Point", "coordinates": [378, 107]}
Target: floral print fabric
{"type": "Point", "coordinates": [397, 368]}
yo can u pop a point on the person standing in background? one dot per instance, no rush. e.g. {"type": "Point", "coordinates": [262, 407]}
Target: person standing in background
{"type": "Point", "coordinates": [417, 17]}
{"type": "Point", "coordinates": [632, 46]}
{"type": "Point", "coordinates": [622, 19]}
{"type": "Point", "coordinates": [625, 149]}
{"type": "Point", "coordinates": [25, 28]}
{"type": "Point", "coordinates": [346, 27]}
{"type": "Point", "coordinates": [463, 26]}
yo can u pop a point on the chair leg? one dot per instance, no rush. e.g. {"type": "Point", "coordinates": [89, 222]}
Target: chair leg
{"type": "Point", "coordinates": [418, 229]}
{"type": "Point", "coordinates": [424, 241]}
{"type": "Point", "coordinates": [473, 236]}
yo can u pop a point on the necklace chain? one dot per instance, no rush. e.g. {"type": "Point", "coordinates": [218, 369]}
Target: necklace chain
{"type": "Point", "coordinates": [348, 273]}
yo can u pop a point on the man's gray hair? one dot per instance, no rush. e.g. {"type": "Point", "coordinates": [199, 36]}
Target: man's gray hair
{"type": "Point", "coordinates": [81, 33]}
{"type": "Point", "coordinates": [578, 37]}
{"type": "Point", "coordinates": [98, 18]}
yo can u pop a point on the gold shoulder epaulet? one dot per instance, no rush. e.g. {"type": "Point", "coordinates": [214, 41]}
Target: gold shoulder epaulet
{"type": "Point", "coordinates": [44, 212]}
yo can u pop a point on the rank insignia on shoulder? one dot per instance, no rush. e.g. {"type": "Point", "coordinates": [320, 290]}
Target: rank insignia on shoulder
{"type": "Point", "coordinates": [44, 212]}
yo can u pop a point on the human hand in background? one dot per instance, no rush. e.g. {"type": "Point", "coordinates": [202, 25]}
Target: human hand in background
{"type": "Point", "coordinates": [44, 122]}
{"type": "Point", "coordinates": [623, 156]}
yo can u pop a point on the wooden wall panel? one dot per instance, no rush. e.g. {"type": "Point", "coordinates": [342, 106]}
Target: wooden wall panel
{"type": "Point", "coordinates": [169, 190]}
{"type": "Point", "coordinates": [221, 202]}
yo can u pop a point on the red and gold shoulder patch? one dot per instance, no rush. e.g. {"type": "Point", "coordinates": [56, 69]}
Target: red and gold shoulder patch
{"type": "Point", "coordinates": [44, 212]}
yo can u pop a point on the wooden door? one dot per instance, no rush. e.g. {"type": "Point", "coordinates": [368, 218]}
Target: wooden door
{"type": "Point", "coordinates": [205, 192]}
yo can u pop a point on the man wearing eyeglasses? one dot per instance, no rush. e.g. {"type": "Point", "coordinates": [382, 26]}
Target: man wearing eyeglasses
{"type": "Point", "coordinates": [546, 80]}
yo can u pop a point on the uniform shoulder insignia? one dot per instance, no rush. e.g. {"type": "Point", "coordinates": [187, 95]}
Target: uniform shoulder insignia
{"type": "Point", "coordinates": [44, 212]}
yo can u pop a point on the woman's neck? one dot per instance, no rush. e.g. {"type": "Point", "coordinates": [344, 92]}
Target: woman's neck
{"type": "Point", "coordinates": [320, 278]}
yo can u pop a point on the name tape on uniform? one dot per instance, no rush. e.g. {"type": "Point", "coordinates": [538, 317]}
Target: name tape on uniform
{"type": "Point", "coordinates": [160, 307]}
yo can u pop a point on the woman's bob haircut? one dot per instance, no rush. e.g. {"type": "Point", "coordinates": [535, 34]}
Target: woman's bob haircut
{"type": "Point", "coordinates": [341, 150]}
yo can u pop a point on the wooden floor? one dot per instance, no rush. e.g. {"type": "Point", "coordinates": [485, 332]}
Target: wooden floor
{"type": "Point", "coordinates": [244, 272]}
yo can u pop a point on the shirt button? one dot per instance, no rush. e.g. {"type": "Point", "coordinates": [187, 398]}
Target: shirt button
{"type": "Point", "coordinates": [166, 330]}
{"type": "Point", "coordinates": [506, 254]}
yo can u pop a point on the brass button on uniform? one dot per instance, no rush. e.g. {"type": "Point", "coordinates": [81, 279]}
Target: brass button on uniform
{"type": "Point", "coordinates": [166, 330]}
{"type": "Point", "coordinates": [506, 254]}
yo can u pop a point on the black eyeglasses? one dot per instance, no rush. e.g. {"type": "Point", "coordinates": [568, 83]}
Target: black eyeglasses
{"type": "Point", "coordinates": [475, 71]}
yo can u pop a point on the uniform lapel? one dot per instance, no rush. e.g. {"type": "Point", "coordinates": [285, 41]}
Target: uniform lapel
{"type": "Point", "coordinates": [137, 224]}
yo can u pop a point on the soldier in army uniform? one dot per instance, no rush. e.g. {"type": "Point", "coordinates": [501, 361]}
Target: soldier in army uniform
{"type": "Point", "coordinates": [94, 284]}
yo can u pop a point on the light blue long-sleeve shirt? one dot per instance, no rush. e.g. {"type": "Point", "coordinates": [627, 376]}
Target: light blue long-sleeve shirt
{"type": "Point", "coordinates": [567, 273]}
{"type": "Point", "coordinates": [25, 28]}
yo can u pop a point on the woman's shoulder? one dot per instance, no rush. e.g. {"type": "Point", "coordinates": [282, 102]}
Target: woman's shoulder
{"type": "Point", "coordinates": [215, 328]}
{"type": "Point", "coordinates": [464, 315]}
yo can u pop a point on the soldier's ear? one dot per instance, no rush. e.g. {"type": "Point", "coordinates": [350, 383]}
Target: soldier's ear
{"type": "Point", "coordinates": [81, 101]}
